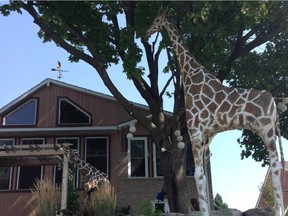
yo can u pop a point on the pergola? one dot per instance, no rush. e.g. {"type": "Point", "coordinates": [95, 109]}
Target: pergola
{"type": "Point", "coordinates": [32, 155]}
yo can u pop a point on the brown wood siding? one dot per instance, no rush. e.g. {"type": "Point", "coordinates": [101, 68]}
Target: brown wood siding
{"type": "Point", "coordinates": [17, 203]}
{"type": "Point", "coordinates": [103, 111]}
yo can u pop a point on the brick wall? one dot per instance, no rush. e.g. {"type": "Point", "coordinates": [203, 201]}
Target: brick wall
{"type": "Point", "coordinates": [134, 191]}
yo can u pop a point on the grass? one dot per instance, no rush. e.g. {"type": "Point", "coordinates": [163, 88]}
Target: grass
{"type": "Point", "coordinates": [47, 197]}
{"type": "Point", "coordinates": [102, 202]}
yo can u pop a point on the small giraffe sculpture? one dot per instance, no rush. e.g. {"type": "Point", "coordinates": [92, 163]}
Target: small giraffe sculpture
{"type": "Point", "coordinates": [211, 108]}
{"type": "Point", "coordinates": [92, 177]}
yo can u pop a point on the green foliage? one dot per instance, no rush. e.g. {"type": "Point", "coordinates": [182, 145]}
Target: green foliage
{"type": "Point", "coordinates": [242, 42]}
{"type": "Point", "coordinates": [267, 194]}
{"type": "Point", "coordinates": [15, 6]}
{"type": "Point", "coordinates": [47, 197]}
{"type": "Point", "coordinates": [72, 196]}
{"type": "Point", "coordinates": [146, 209]}
{"type": "Point", "coordinates": [218, 203]}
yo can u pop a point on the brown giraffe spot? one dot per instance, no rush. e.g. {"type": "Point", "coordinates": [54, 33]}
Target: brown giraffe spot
{"type": "Point", "coordinates": [181, 59]}
{"type": "Point", "coordinates": [225, 106]}
{"type": "Point", "coordinates": [271, 133]}
{"type": "Point", "coordinates": [222, 119]}
{"type": "Point", "coordinates": [180, 49]}
{"type": "Point", "coordinates": [208, 91]}
{"type": "Point", "coordinates": [212, 106]}
{"type": "Point", "coordinates": [234, 110]}
{"type": "Point", "coordinates": [194, 110]}
{"type": "Point", "coordinates": [197, 79]}
{"type": "Point", "coordinates": [199, 104]}
{"type": "Point", "coordinates": [252, 119]}
{"type": "Point", "coordinates": [204, 114]}
{"type": "Point", "coordinates": [220, 97]}
{"type": "Point", "coordinates": [233, 96]}
{"type": "Point", "coordinates": [252, 108]}
{"type": "Point", "coordinates": [205, 99]}
{"type": "Point", "coordinates": [189, 101]}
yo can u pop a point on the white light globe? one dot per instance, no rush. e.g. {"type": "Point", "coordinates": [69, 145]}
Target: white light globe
{"type": "Point", "coordinates": [132, 129]}
{"type": "Point", "coordinates": [163, 149]}
{"type": "Point", "coordinates": [177, 132]}
{"type": "Point", "coordinates": [281, 106]}
{"type": "Point", "coordinates": [129, 136]}
{"type": "Point", "coordinates": [179, 138]}
{"type": "Point", "coordinates": [285, 100]}
{"type": "Point", "coordinates": [181, 145]}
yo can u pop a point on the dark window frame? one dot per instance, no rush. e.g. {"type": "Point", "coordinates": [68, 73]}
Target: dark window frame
{"type": "Point", "coordinates": [56, 167]}
{"type": "Point", "coordinates": [132, 173]}
{"type": "Point", "coordinates": [8, 169]}
{"type": "Point", "coordinates": [75, 106]}
{"type": "Point", "coordinates": [19, 175]}
{"type": "Point", "coordinates": [98, 155]}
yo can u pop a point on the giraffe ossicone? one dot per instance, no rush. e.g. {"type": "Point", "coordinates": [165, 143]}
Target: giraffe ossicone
{"type": "Point", "coordinates": [211, 108]}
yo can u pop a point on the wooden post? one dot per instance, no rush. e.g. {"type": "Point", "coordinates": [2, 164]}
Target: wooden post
{"type": "Point", "coordinates": [64, 183]}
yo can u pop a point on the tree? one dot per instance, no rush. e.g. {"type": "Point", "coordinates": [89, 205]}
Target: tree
{"type": "Point", "coordinates": [218, 203]}
{"type": "Point", "coordinates": [223, 36]}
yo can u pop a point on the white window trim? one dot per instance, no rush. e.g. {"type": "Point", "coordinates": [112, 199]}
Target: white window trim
{"type": "Point", "coordinates": [107, 149]}
{"type": "Point", "coordinates": [15, 110]}
{"type": "Point", "coordinates": [155, 162]}
{"type": "Point", "coordinates": [145, 156]}
{"type": "Point", "coordinates": [18, 168]}
{"type": "Point", "coordinates": [75, 105]}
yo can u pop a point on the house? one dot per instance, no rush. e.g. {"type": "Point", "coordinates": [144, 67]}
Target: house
{"type": "Point", "coordinates": [97, 126]}
{"type": "Point", "coordinates": [266, 198]}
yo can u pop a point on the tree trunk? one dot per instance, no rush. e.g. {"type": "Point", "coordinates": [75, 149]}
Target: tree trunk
{"type": "Point", "coordinates": [174, 169]}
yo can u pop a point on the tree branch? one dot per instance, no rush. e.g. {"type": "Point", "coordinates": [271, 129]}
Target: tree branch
{"type": "Point", "coordinates": [140, 116]}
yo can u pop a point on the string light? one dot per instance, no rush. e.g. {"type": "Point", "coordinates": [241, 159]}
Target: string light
{"type": "Point", "coordinates": [180, 144]}
{"type": "Point", "coordinates": [132, 129]}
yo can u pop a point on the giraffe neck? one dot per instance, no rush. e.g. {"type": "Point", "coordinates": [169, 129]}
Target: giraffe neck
{"type": "Point", "coordinates": [185, 59]}
{"type": "Point", "coordinates": [83, 167]}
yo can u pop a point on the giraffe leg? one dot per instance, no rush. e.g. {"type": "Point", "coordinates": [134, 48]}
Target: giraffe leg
{"type": "Point", "coordinates": [276, 167]}
{"type": "Point", "coordinates": [200, 178]}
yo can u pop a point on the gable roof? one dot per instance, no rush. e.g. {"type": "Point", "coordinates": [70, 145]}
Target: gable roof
{"type": "Point", "coordinates": [48, 81]}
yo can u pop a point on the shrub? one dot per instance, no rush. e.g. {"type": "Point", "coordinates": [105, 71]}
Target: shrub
{"type": "Point", "coordinates": [47, 197]}
{"type": "Point", "coordinates": [147, 209]}
{"type": "Point", "coordinates": [72, 196]}
{"type": "Point", "coordinates": [102, 202]}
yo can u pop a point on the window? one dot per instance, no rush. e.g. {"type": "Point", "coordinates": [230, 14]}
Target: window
{"type": "Point", "coordinates": [5, 172]}
{"type": "Point", "coordinates": [58, 169]}
{"type": "Point", "coordinates": [97, 153]}
{"type": "Point", "coordinates": [23, 115]}
{"type": "Point", "coordinates": [190, 168]}
{"type": "Point", "coordinates": [28, 175]}
{"type": "Point", "coordinates": [70, 113]}
{"type": "Point", "coordinates": [157, 162]}
{"type": "Point", "coordinates": [138, 163]}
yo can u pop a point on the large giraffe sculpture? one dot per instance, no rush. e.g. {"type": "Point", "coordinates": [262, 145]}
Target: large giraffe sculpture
{"type": "Point", "coordinates": [92, 177]}
{"type": "Point", "coordinates": [211, 108]}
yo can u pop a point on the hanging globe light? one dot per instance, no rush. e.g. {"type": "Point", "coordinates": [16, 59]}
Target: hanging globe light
{"type": "Point", "coordinates": [181, 145]}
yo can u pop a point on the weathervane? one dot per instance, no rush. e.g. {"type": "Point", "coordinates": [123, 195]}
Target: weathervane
{"type": "Point", "coordinates": [59, 70]}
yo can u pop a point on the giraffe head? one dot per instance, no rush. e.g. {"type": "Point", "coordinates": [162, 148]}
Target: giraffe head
{"type": "Point", "coordinates": [157, 23]}
{"type": "Point", "coordinates": [90, 185]}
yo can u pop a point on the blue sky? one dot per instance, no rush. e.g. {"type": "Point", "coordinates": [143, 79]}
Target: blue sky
{"type": "Point", "coordinates": [25, 61]}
